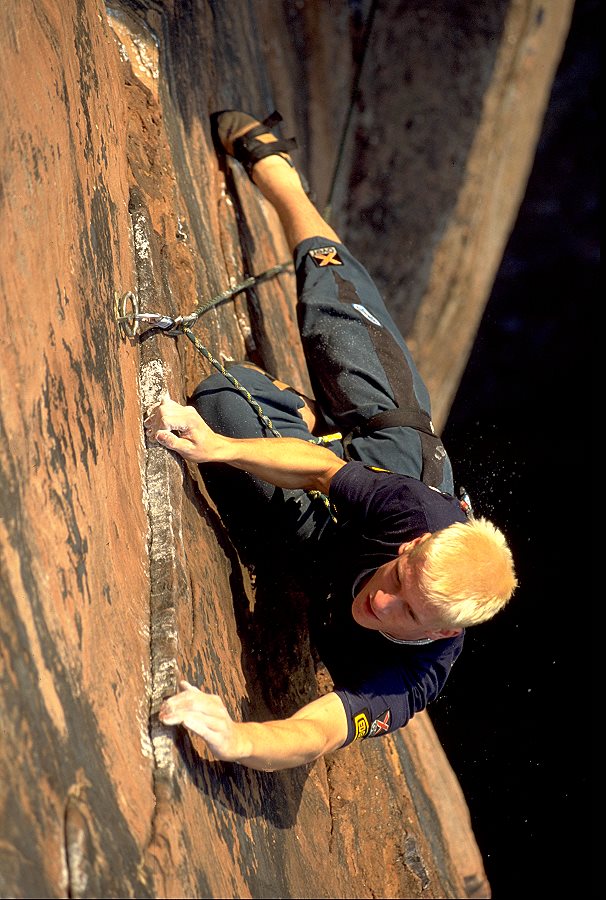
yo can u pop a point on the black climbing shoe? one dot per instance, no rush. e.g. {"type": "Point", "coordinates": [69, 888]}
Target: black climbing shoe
{"type": "Point", "coordinates": [227, 126]}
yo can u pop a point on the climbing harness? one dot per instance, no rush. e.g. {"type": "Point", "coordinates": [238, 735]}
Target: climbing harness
{"type": "Point", "coordinates": [129, 318]}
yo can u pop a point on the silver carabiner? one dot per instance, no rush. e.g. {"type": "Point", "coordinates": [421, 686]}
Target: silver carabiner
{"type": "Point", "coordinates": [157, 320]}
{"type": "Point", "coordinates": [129, 319]}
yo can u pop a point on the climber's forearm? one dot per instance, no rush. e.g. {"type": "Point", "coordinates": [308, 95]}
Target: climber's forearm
{"type": "Point", "coordinates": [285, 462]}
{"type": "Point", "coordinates": [316, 729]}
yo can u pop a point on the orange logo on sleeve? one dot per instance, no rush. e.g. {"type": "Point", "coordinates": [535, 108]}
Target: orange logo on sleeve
{"type": "Point", "coordinates": [326, 256]}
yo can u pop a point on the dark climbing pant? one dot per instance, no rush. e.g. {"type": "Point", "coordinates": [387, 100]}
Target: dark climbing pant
{"type": "Point", "coordinates": [359, 367]}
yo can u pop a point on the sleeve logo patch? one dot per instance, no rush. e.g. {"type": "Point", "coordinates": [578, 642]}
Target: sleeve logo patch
{"type": "Point", "coordinates": [361, 725]}
{"type": "Point", "coordinates": [326, 256]}
{"type": "Point", "coordinates": [381, 725]}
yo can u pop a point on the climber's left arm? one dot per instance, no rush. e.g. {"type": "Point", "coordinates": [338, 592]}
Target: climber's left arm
{"type": "Point", "coordinates": [285, 462]}
{"type": "Point", "coordinates": [315, 729]}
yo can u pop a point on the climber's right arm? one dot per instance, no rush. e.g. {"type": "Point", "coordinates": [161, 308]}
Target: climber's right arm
{"type": "Point", "coordinates": [317, 728]}
{"type": "Point", "coordinates": [284, 462]}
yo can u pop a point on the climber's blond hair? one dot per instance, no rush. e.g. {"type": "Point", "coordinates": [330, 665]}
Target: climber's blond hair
{"type": "Point", "coordinates": [465, 572]}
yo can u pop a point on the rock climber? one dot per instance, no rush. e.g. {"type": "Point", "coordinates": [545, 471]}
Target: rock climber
{"type": "Point", "coordinates": [409, 567]}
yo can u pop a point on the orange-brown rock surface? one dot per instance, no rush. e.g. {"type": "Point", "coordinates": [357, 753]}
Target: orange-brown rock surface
{"type": "Point", "coordinates": [117, 571]}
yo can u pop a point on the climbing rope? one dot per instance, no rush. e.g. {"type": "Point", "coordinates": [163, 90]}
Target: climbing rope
{"type": "Point", "coordinates": [129, 317]}
{"type": "Point", "coordinates": [129, 321]}
{"type": "Point", "coordinates": [263, 418]}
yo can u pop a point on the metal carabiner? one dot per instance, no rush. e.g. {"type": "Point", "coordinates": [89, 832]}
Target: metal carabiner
{"type": "Point", "coordinates": [157, 320]}
{"type": "Point", "coordinates": [465, 503]}
{"type": "Point", "coordinates": [129, 319]}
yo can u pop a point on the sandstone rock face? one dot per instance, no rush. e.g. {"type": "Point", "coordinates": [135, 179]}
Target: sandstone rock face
{"type": "Point", "coordinates": [118, 574]}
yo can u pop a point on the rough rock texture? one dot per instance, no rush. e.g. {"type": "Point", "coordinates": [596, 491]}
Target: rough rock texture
{"type": "Point", "coordinates": [117, 572]}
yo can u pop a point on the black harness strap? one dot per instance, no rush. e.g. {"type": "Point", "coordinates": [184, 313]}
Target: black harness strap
{"type": "Point", "coordinates": [411, 417]}
{"type": "Point", "coordinates": [431, 445]}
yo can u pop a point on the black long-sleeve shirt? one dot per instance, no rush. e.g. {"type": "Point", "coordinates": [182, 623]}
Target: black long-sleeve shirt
{"type": "Point", "coordinates": [381, 684]}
